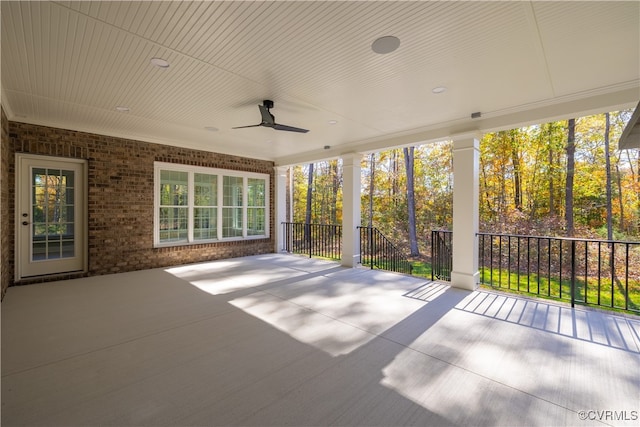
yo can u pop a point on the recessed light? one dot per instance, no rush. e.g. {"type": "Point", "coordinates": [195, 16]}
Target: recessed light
{"type": "Point", "coordinates": [438, 89]}
{"type": "Point", "coordinates": [159, 62]}
{"type": "Point", "coordinates": [333, 122]}
{"type": "Point", "coordinates": [386, 44]}
{"type": "Point", "coordinates": [211, 128]}
{"type": "Point", "coordinates": [123, 109]}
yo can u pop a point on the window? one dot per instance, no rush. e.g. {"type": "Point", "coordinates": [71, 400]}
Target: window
{"type": "Point", "coordinates": [256, 207]}
{"type": "Point", "coordinates": [196, 204]}
{"type": "Point", "coordinates": [205, 211]}
{"type": "Point", "coordinates": [173, 206]}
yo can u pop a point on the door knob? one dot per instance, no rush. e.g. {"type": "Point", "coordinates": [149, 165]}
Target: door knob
{"type": "Point", "coordinates": [25, 223]}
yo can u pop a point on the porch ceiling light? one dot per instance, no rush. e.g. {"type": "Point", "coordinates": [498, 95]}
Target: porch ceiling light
{"type": "Point", "coordinates": [123, 109]}
{"type": "Point", "coordinates": [160, 63]}
{"type": "Point", "coordinates": [438, 89]}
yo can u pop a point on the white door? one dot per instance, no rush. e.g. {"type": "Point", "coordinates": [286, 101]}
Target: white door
{"type": "Point", "coordinates": [50, 215]}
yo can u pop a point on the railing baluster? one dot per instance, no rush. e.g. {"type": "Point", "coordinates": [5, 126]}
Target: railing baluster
{"type": "Point", "coordinates": [599, 268]}
{"type": "Point", "coordinates": [572, 282]}
{"type": "Point", "coordinates": [549, 269]}
{"type": "Point", "coordinates": [624, 285]}
{"type": "Point", "coordinates": [538, 272]}
{"type": "Point", "coordinates": [528, 263]}
{"type": "Point", "coordinates": [586, 271]}
{"type": "Point", "coordinates": [613, 272]}
{"type": "Point", "coordinates": [560, 268]}
{"type": "Point", "coordinates": [626, 278]}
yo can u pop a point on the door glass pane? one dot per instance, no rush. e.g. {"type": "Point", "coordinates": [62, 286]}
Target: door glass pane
{"type": "Point", "coordinates": [52, 214]}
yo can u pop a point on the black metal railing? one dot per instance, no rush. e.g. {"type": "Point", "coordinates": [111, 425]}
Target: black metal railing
{"type": "Point", "coordinates": [321, 240]}
{"type": "Point", "coordinates": [441, 255]}
{"type": "Point", "coordinates": [582, 271]}
{"type": "Point", "coordinates": [377, 251]}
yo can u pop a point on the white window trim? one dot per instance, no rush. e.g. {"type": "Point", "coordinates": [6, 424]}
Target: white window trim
{"type": "Point", "coordinates": [191, 170]}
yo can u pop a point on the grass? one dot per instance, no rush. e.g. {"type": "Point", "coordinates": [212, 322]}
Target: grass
{"type": "Point", "coordinates": [421, 268]}
{"type": "Point", "coordinates": [551, 288]}
{"type": "Point", "coordinates": [618, 294]}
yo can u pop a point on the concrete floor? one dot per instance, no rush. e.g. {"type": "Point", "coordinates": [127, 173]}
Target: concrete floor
{"type": "Point", "coordinates": [285, 340]}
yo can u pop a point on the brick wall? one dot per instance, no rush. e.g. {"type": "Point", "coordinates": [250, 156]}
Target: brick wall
{"type": "Point", "coordinates": [6, 228]}
{"type": "Point", "coordinates": [120, 196]}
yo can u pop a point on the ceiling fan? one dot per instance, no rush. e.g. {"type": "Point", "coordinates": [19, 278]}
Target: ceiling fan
{"type": "Point", "coordinates": [269, 121]}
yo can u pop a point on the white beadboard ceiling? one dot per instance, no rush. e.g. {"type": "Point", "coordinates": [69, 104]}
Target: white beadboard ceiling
{"type": "Point", "coordinates": [69, 64]}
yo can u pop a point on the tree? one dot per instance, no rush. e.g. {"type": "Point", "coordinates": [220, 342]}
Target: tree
{"type": "Point", "coordinates": [607, 158]}
{"type": "Point", "coordinates": [515, 159]}
{"type": "Point", "coordinates": [307, 217]}
{"type": "Point", "coordinates": [371, 187]}
{"type": "Point", "coordinates": [411, 205]}
{"type": "Point", "coordinates": [571, 150]}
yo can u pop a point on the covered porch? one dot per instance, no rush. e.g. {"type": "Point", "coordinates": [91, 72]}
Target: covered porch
{"type": "Point", "coordinates": [284, 340]}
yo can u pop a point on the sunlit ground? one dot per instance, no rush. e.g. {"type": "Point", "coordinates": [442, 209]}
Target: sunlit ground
{"type": "Point", "coordinates": [286, 340]}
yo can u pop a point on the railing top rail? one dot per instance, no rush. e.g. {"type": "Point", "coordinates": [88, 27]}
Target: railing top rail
{"type": "Point", "coordinates": [577, 239]}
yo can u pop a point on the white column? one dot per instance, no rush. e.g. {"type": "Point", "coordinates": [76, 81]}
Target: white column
{"type": "Point", "coordinates": [351, 209]}
{"type": "Point", "coordinates": [280, 209]}
{"type": "Point", "coordinates": [466, 165]}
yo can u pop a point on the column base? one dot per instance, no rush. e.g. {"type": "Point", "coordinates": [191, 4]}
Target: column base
{"type": "Point", "coordinates": [352, 261]}
{"type": "Point", "coordinates": [465, 280]}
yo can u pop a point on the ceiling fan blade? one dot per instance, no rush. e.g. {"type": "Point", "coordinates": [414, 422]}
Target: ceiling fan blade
{"type": "Point", "coordinates": [269, 121]}
{"type": "Point", "coordinates": [267, 117]}
{"type": "Point", "coordinates": [249, 126]}
{"type": "Point", "coordinates": [289, 128]}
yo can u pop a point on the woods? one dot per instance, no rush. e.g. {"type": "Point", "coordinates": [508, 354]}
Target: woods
{"type": "Point", "coordinates": [564, 178]}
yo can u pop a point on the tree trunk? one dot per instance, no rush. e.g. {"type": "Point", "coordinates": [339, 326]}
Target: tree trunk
{"type": "Point", "coordinates": [552, 202]}
{"type": "Point", "coordinates": [607, 161]}
{"type": "Point", "coordinates": [394, 177]}
{"type": "Point", "coordinates": [411, 204]}
{"type": "Point", "coordinates": [571, 150]}
{"type": "Point", "coordinates": [335, 182]}
{"type": "Point", "coordinates": [517, 182]}
{"type": "Point", "coordinates": [307, 217]}
{"type": "Point", "coordinates": [620, 199]}
{"type": "Point", "coordinates": [372, 177]}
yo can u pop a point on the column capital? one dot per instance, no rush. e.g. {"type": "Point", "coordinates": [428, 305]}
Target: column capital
{"type": "Point", "coordinates": [351, 158]}
{"type": "Point", "coordinates": [471, 135]}
{"type": "Point", "coordinates": [280, 170]}
{"type": "Point", "coordinates": [466, 144]}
